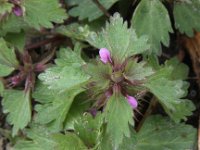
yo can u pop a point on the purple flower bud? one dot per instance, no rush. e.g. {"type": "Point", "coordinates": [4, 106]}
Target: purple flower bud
{"type": "Point", "coordinates": [105, 55]}
{"type": "Point", "coordinates": [132, 101]}
{"type": "Point", "coordinates": [17, 10]}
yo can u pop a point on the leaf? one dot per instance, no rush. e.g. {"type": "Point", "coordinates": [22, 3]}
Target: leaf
{"type": "Point", "coordinates": [88, 129]}
{"type": "Point", "coordinates": [155, 23]}
{"type": "Point", "coordinates": [78, 107]}
{"type": "Point", "coordinates": [159, 133]}
{"type": "Point", "coordinates": [69, 141]}
{"type": "Point", "coordinates": [16, 40]}
{"type": "Point", "coordinates": [39, 139]}
{"type": "Point", "coordinates": [8, 61]}
{"type": "Point", "coordinates": [56, 111]}
{"type": "Point", "coordinates": [186, 15]}
{"type": "Point", "coordinates": [137, 70]}
{"type": "Point", "coordinates": [118, 39]}
{"type": "Point", "coordinates": [118, 115]}
{"type": "Point", "coordinates": [74, 30]}
{"type": "Point", "coordinates": [88, 9]}
{"type": "Point", "coordinates": [169, 94]}
{"type": "Point", "coordinates": [5, 7]}
{"type": "Point", "coordinates": [12, 24]}
{"type": "Point", "coordinates": [18, 105]}
{"type": "Point", "coordinates": [42, 13]}
{"type": "Point", "coordinates": [68, 72]}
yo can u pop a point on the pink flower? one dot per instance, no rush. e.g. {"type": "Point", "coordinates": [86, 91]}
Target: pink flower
{"type": "Point", "coordinates": [105, 55]}
{"type": "Point", "coordinates": [17, 10]}
{"type": "Point", "coordinates": [132, 101]}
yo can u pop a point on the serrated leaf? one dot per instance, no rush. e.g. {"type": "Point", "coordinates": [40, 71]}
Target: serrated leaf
{"type": "Point", "coordinates": [118, 39]}
{"type": "Point", "coordinates": [155, 23]}
{"type": "Point", "coordinates": [18, 105]}
{"type": "Point", "coordinates": [88, 9]}
{"type": "Point", "coordinates": [186, 15]}
{"type": "Point", "coordinates": [42, 13]}
{"type": "Point", "coordinates": [88, 128]}
{"type": "Point", "coordinates": [8, 61]}
{"type": "Point", "coordinates": [169, 94]}
{"type": "Point", "coordinates": [56, 111]}
{"type": "Point", "coordinates": [137, 70]}
{"type": "Point", "coordinates": [118, 115]}
{"type": "Point", "coordinates": [159, 133]}
{"type": "Point", "coordinates": [67, 74]}
{"type": "Point", "coordinates": [39, 139]}
{"type": "Point", "coordinates": [68, 141]}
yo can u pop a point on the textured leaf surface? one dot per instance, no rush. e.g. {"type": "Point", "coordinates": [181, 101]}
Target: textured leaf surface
{"type": "Point", "coordinates": [8, 61]}
{"type": "Point", "coordinates": [67, 74]}
{"type": "Point", "coordinates": [160, 133]}
{"type": "Point", "coordinates": [39, 139]}
{"type": "Point", "coordinates": [88, 9]}
{"type": "Point", "coordinates": [5, 7]}
{"type": "Point", "coordinates": [169, 94]}
{"type": "Point", "coordinates": [117, 38]}
{"type": "Point", "coordinates": [43, 13]}
{"type": "Point", "coordinates": [118, 127]}
{"type": "Point", "coordinates": [186, 14]}
{"type": "Point", "coordinates": [18, 105]}
{"type": "Point", "coordinates": [69, 141]}
{"type": "Point", "coordinates": [155, 23]}
{"type": "Point", "coordinates": [56, 111]}
{"type": "Point", "coordinates": [88, 129]}
{"type": "Point", "coordinates": [137, 71]}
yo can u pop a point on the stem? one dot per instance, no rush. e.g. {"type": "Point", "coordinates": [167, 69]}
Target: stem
{"type": "Point", "coordinates": [41, 43]}
{"type": "Point", "coordinates": [101, 7]}
{"type": "Point", "coordinates": [151, 107]}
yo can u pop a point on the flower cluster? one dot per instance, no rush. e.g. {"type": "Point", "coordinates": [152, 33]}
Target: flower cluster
{"type": "Point", "coordinates": [105, 57]}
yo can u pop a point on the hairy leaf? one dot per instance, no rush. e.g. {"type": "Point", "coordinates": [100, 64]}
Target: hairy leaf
{"type": "Point", "coordinates": [118, 127]}
{"type": "Point", "coordinates": [155, 23]}
{"type": "Point", "coordinates": [117, 38]}
{"type": "Point", "coordinates": [42, 13]}
{"type": "Point", "coordinates": [68, 72]}
{"type": "Point", "coordinates": [18, 105]}
{"type": "Point", "coordinates": [88, 129]}
{"type": "Point", "coordinates": [186, 15]}
{"type": "Point", "coordinates": [5, 7]}
{"type": "Point", "coordinates": [88, 9]}
{"type": "Point", "coordinates": [159, 133]}
{"type": "Point", "coordinates": [8, 61]}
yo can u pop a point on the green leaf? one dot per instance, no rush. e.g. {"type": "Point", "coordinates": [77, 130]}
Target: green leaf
{"type": "Point", "coordinates": [169, 94]}
{"type": "Point", "coordinates": [88, 9]}
{"type": "Point", "coordinates": [68, 141]}
{"type": "Point", "coordinates": [137, 71]}
{"type": "Point", "coordinates": [16, 40]}
{"type": "Point", "coordinates": [186, 15]}
{"type": "Point", "coordinates": [56, 111]}
{"type": "Point", "coordinates": [5, 7]}
{"type": "Point", "coordinates": [8, 61]}
{"type": "Point", "coordinates": [118, 39]}
{"type": "Point", "coordinates": [39, 139]}
{"type": "Point", "coordinates": [88, 129]}
{"type": "Point", "coordinates": [12, 24]}
{"type": "Point", "coordinates": [74, 30]}
{"type": "Point", "coordinates": [118, 115]}
{"type": "Point", "coordinates": [18, 105]}
{"type": "Point", "coordinates": [78, 107]}
{"type": "Point", "coordinates": [42, 13]}
{"type": "Point", "coordinates": [155, 23]}
{"type": "Point", "coordinates": [68, 72]}
{"type": "Point", "coordinates": [159, 133]}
